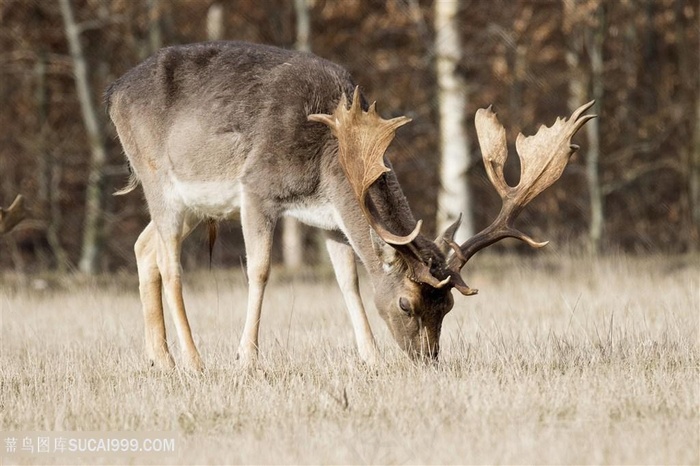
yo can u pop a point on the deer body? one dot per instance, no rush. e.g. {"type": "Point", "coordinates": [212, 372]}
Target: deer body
{"type": "Point", "coordinates": [209, 118]}
{"type": "Point", "coordinates": [216, 128]}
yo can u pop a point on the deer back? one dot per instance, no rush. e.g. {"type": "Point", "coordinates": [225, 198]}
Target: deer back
{"type": "Point", "coordinates": [230, 110]}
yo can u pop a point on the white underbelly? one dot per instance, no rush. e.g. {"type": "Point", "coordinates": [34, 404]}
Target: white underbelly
{"type": "Point", "coordinates": [317, 214]}
{"type": "Point", "coordinates": [216, 199]}
{"type": "Point", "coordinates": [222, 199]}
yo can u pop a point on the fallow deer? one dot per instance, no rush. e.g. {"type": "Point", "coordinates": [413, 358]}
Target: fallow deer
{"type": "Point", "coordinates": [213, 128]}
{"type": "Point", "coordinates": [10, 217]}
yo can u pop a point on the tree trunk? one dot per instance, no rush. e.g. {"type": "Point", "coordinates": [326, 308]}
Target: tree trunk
{"type": "Point", "coordinates": [303, 42]}
{"type": "Point", "coordinates": [9, 218]}
{"type": "Point", "coordinates": [49, 175]}
{"type": "Point", "coordinates": [694, 175]}
{"type": "Point", "coordinates": [595, 48]}
{"type": "Point", "coordinates": [454, 197]}
{"type": "Point", "coordinates": [292, 230]}
{"type": "Point", "coordinates": [215, 22]}
{"type": "Point", "coordinates": [92, 238]}
{"type": "Point", "coordinates": [581, 37]}
{"type": "Point", "coordinates": [155, 32]}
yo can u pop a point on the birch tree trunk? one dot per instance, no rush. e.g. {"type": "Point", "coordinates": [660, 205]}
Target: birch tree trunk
{"type": "Point", "coordinates": [92, 240]}
{"type": "Point", "coordinates": [215, 22]}
{"type": "Point", "coordinates": [454, 197]}
{"type": "Point", "coordinates": [583, 35]}
{"type": "Point", "coordinates": [303, 40]}
{"type": "Point", "coordinates": [292, 231]}
{"type": "Point", "coordinates": [595, 39]}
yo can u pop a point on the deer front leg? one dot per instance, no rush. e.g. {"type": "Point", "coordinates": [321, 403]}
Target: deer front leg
{"type": "Point", "coordinates": [151, 298]}
{"type": "Point", "coordinates": [257, 234]}
{"type": "Point", "coordinates": [343, 260]}
{"type": "Point", "coordinates": [169, 248]}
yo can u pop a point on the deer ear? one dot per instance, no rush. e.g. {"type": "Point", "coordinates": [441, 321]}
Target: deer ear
{"type": "Point", "coordinates": [386, 252]}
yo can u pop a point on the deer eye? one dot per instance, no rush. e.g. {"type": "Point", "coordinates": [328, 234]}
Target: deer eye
{"type": "Point", "coordinates": [405, 306]}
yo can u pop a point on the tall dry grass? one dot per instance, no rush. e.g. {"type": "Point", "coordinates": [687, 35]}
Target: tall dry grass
{"type": "Point", "coordinates": [558, 360]}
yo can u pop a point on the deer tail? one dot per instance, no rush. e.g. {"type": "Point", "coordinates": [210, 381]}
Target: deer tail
{"type": "Point", "coordinates": [131, 185]}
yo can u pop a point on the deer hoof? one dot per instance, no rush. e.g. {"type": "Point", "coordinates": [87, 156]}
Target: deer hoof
{"type": "Point", "coordinates": [369, 355]}
{"type": "Point", "coordinates": [164, 364]}
{"type": "Point", "coordinates": [247, 359]}
{"type": "Point", "coordinates": [194, 363]}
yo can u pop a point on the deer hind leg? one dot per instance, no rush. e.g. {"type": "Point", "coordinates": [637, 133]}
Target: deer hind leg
{"type": "Point", "coordinates": [168, 257]}
{"type": "Point", "coordinates": [258, 230]}
{"type": "Point", "coordinates": [343, 260]}
{"type": "Point", "coordinates": [150, 283]}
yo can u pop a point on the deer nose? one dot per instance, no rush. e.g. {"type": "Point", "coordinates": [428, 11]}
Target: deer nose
{"type": "Point", "coordinates": [427, 353]}
{"type": "Point", "coordinates": [428, 357]}
{"type": "Point", "coordinates": [433, 352]}
{"type": "Point", "coordinates": [429, 344]}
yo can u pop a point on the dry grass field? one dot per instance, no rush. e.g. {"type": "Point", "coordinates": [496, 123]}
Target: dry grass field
{"type": "Point", "coordinates": [558, 360]}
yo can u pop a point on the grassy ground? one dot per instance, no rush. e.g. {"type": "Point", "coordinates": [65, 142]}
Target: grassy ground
{"type": "Point", "coordinates": [557, 360]}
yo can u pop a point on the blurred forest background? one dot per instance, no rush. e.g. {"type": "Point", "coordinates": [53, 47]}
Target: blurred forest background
{"type": "Point", "coordinates": [634, 186]}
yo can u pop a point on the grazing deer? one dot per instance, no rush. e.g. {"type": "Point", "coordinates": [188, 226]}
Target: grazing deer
{"type": "Point", "coordinates": [10, 217]}
{"type": "Point", "coordinates": [213, 128]}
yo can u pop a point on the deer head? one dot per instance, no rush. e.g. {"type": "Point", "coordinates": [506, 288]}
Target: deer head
{"type": "Point", "coordinates": [414, 293]}
{"type": "Point", "coordinates": [10, 217]}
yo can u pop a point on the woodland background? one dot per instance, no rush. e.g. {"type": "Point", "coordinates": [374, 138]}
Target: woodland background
{"type": "Point", "coordinates": [634, 186]}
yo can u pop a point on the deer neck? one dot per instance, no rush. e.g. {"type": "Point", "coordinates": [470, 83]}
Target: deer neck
{"type": "Point", "coordinates": [391, 204]}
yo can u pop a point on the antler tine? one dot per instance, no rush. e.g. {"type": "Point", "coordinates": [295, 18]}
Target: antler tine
{"type": "Point", "coordinates": [421, 274]}
{"type": "Point", "coordinates": [581, 110]}
{"type": "Point", "coordinates": [543, 158]}
{"type": "Point", "coordinates": [355, 106]}
{"type": "Point", "coordinates": [14, 214]}
{"type": "Point", "coordinates": [363, 138]}
{"type": "Point", "coordinates": [449, 233]}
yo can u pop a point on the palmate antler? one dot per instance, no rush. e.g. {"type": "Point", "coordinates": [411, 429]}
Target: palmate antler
{"type": "Point", "coordinates": [543, 158]}
{"type": "Point", "coordinates": [363, 137]}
